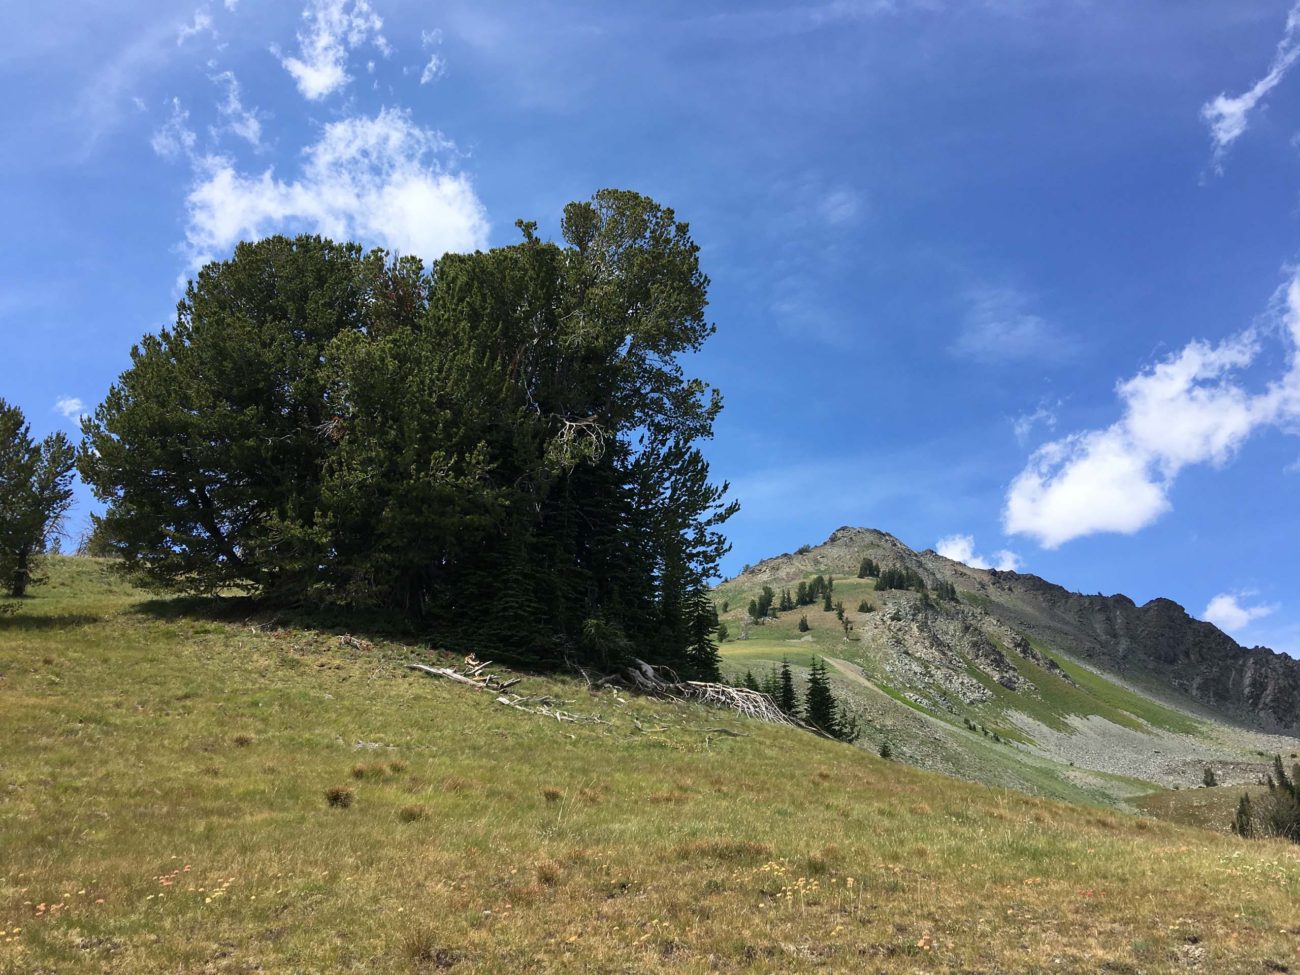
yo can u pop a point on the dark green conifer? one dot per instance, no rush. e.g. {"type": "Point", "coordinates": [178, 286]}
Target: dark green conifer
{"type": "Point", "coordinates": [819, 703]}
{"type": "Point", "coordinates": [1242, 823]}
{"type": "Point", "coordinates": [785, 698]}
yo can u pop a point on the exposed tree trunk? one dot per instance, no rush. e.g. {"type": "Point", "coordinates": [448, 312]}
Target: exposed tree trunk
{"type": "Point", "coordinates": [22, 574]}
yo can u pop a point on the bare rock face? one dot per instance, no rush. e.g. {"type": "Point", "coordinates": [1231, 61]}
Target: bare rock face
{"type": "Point", "coordinates": [1158, 642]}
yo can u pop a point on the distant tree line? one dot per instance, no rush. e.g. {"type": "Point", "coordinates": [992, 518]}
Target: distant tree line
{"type": "Point", "coordinates": [900, 579]}
{"type": "Point", "coordinates": [503, 445]}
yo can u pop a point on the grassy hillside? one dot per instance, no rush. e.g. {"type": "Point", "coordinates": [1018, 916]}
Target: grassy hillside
{"type": "Point", "coordinates": [162, 809]}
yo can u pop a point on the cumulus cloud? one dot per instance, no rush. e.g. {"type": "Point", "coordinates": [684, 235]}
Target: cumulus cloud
{"type": "Point", "coordinates": [333, 28]}
{"type": "Point", "coordinates": [1227, 612]}
{"type": "Point", "coordinates": [1000, 328]}
{"type": "Point", "coordinates": [174, 138]}
{"type": "Point", "coordinates": [1191, 408]}
{"type": "Point", "coordinates": [70, 406]}
{"type": "Point", "coordinates": [1229, 115]}
{"type": "Point", "coordinates": [239, 120]}
{"type": "Point", "coordinates": [378, 180]}
{"type": "Point", "coordinates": [961, 548]}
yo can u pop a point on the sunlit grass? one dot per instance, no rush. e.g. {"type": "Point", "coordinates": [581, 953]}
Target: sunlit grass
{"type": "Point", "coordinates": [164, 808]}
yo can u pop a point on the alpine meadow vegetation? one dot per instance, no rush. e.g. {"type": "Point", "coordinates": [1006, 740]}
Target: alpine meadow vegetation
{"type": "Point", "coordinates": [503, 445]}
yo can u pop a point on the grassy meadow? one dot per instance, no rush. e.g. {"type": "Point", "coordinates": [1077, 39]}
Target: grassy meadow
{"type": "Point", "coordinates": [164, 770]}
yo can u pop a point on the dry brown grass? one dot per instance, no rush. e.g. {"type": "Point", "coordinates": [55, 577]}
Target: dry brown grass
{"type": "Point", "coordinates": [119, 853]}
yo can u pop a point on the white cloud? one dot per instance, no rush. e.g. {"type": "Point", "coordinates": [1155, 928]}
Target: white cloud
{"type": "Point", "coordinates": [433, 70]}
{"type": "Point", "coordinates": [999, 328]}
{"type": "Point", "coordinates": [1007, 561]}
{"type": "Point", "coordinates": [70, 406]}
{"type": "Point", "coordinates": [174, 138]}
{"type": "Point", "coordinates": [239, 120]}
{"type": "Point", "coordinates": [231, 5]}
{"type": "Point", "coordinates": [1191, 408]}
{"type": "Point", "coordinates": [333, 28]}
{"type": "Point", "coordinates": [1227, 612]}
{"type": "Point", "coordinates": [961, 548]}
{"type": "Point", "coordinates": [1025, 424]}
{"type": "Point", "coordinates": [202, 22]}
{"type": "Point", "coordinates": [376, 180]}
{"type": "Point", "coordinates": [1228, 116]}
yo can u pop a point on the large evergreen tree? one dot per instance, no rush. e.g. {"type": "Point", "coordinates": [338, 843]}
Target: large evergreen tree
{"type": "Point", "coordinates": [35, 494]}
{"type": "Point", "coordinates": [326, 425]}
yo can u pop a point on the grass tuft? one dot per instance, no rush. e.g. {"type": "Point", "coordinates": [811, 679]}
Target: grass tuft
{"type": "Point", "coordinates": [339, 797]}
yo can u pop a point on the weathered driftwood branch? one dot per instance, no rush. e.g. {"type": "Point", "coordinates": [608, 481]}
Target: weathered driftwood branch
{"type": "Point", "coordinates": [473, 674]}
{"type": "Point", "coordinates": [641, 676]}
{"type": "Point", "coordinates": [742, 700]}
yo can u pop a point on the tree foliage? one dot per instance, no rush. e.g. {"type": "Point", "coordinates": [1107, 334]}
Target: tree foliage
{"type": "Point", "coordinates": [821, 708]}
{"type": "Point", "coordinates": [785, 695]}
{"type": "Point", "coordinates": [504, 445]}
{"type": "Point", "coordinates": [1277, 813]}
{"type": "Point", "coordinates": [900, 579]}
{"type": "Point", "coordinates": [35, 494]}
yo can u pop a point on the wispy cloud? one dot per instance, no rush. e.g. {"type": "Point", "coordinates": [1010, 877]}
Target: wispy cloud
{"type": "Point", "coordinates": [381, 180]}
{"type": "Point", "coordinates": [961, 548]}
{"type": "Point", "coordinates": [435, 66]}
{"type": "Point", "coordinates": [174, 138]}
{"type": "Point", "coordinates": [1227, 612]}
{"type": "Point", "coordinates": [1228, 116]}
{"type": "Point", "coordinates": [239, 120]}
{"type": "Point", "coordinates": [1191, 408]}
{"type": "Point", "coordinates": [201, 23]}
{"type": "Point", "coordinates": [1025, 424]}
{"type": "Point", "coordinates": [999, 328]}
{"type": "Point", "coordinates": [333, 28]}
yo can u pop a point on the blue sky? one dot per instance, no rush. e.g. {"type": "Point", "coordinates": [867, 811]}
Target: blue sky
{"type": "Point", "coordinates": [1013, 275]}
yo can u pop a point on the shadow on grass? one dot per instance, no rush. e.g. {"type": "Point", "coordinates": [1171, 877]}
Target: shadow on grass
{"type": "Point", "coordinates": [374, 625]}
{"type": "Point", "coordinates": [250, 611]}
{"type": "Point", "coordinates": [23, 623]}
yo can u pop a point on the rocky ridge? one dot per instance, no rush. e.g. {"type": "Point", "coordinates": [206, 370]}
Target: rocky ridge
{"type": "Point", "coordinates": [1158, 646]}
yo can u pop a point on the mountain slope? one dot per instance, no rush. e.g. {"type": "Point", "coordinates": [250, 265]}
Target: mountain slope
{"type": "Point", "coordinates": [1145, 694]}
